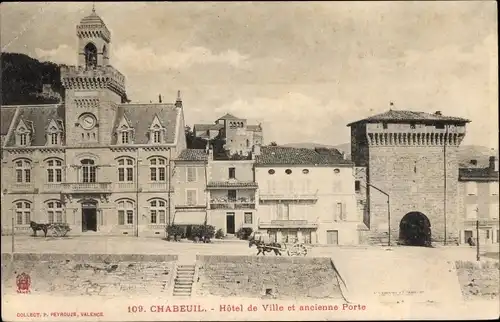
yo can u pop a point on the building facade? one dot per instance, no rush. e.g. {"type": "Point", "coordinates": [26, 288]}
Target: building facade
{"type": "Point", "coordinates": [190, 180]}
{"type": "Point", "coordinates": [412, 175]}
{"type": "Point", "coordinates": [239, 136]}
{"type": "Point", "coordinates": [94, 161]}
{"type": "Point", "coordinates": [231, 192]}
{"type": "Point", "coordinates": [307, 195]}
{"type": "Point", "coordinates": [478, 187]}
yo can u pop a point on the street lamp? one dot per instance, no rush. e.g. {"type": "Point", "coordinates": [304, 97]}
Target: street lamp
{"type": "Point", "coordinates": [388, 209]}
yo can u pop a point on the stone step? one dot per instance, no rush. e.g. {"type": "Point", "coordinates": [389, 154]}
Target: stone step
{"type": "Point", "coordinates": [182, 287]}
{"type": "Point", "coordinates": [185, 273]}
{"type": "Point", "coordinates": [177, 281]}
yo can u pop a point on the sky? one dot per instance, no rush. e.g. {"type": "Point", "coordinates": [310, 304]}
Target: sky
{"type": "Point", "coordinates": [303, 70]}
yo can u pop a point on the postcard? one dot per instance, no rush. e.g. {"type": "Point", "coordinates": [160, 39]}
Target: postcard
{"type": "Point", "coordinates": [262, 161]}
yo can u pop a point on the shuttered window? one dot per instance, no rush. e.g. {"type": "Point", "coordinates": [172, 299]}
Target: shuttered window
{"type": "Point", "coordinates": [191, 174]}
{"type": "Point", "coordinates": [191, 197]}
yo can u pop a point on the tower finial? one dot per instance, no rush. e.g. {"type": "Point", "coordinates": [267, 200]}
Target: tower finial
{"type": "Point", "coordinates": [391, 104]}
{"type": "Point", "coordinates": [179, 95]}
{"type": "Point", "coordinates": [93, 6]}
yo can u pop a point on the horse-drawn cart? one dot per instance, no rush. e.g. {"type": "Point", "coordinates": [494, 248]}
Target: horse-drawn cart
{"type": "Point", "coordinates": [263, 246]}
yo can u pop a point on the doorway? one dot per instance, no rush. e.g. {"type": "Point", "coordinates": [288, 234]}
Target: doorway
{"type": "Point", "coordinates": [415, 229]}
{"type": "Point", "coordinates": [467, 235]}
{"type": "Point", "coordinates": [230, 223]}
{"type": "Point", "coordinates": [89, 216]}
{"type": "Point", "coordinates": [332, 237]}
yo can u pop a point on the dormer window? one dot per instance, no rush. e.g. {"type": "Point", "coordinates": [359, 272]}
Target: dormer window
{"type": "Point", "coordinates": [54, 133]}
{"type": "Point", "coordinates": [23, 133]}
{"type": "Point", "coordinates": [54, 138]}
{"type": "Point", "coordinates": [156, 136]}
{"type": "Point", "coordinates": [125, 138]}
{"type": "Point", "coordinates": [125, 133]}
{"type": "Point", "coordinates": [156, 132]}
{"type": "Point", "coordinates": [23, 138]}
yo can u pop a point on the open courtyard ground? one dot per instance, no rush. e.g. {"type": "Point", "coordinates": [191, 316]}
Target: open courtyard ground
{"type": "Point", "coordinates": [131, 245]}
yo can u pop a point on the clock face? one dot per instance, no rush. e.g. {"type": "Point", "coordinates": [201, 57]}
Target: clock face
{"type": "Point", "coordinates": [88, 122]}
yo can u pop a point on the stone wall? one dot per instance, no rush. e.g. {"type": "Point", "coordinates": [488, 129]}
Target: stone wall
{"type": "Point", "coordinates": [90, 274]}
{"type": "Point", "coordinates": [414, 178]}
{"type": "Point", "coordinates": [251, 276]}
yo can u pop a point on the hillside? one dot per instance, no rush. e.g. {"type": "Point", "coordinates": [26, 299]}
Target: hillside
{"type": "Point", "coordinates": [23, 78]}
{"type": "Point", "coordinates": [465, 154]}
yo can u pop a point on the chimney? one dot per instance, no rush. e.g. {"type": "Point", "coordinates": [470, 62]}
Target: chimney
{"type": "Point", "coordinates": [473, 162]}
{"type": "Point", "coordinates": [438, 113]}
{"type": "Point", "coordinates": [159, 98]}
{"type": "Point", "coordinates": [493, 164]}
{"type": "Point", "coordinates": [178, 101]}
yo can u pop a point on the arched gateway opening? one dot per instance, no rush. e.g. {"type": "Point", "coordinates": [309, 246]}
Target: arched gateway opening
{"type": "Point", "coordinates": [415, 230]}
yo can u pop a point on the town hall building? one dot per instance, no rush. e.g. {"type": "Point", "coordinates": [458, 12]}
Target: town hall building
{"type": "Point", "coordinates": [94, 161]}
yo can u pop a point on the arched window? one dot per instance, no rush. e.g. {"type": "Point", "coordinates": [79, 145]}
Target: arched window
{"type": "Point", "coordinates": [23, 171]}
{"type": "Point", "coordinates": [125, 170]}
{"type": "Point", "coordinates": [23, 212]}
{"type": "Point", "coordinates": [54, 171]}
{"type": "Point", "coordinates": [55, 212]}
{"type": "Point", "coordinates": [125, 212]}
{"type": "Point", "coordinates": [158, 211]}
{"type": "Point", "coordinates": [88, 171]}
{"type": "Point", "coordinates": [90, 56]}
{"type": "Point", "coordinates": [158, 168]}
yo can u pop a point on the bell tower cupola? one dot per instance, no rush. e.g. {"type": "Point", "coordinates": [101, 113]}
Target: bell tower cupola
{"type": "Point", "coordinates": [94, 41]}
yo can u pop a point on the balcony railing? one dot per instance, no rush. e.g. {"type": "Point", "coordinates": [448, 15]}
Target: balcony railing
{"type": "Point", "coordinates": [283, 223]}
{"type": "Point", "coordinates": [229, 203]}
{"type": "Point", "coordinates": [55, 187]}
{"type": "Point", "coordinates": [86, 187]}
{"type": "Point", "coordinates": [291, 195]}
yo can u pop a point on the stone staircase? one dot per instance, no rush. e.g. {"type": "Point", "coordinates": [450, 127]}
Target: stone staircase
{"type": "Point", "coordinates": [183, 284]}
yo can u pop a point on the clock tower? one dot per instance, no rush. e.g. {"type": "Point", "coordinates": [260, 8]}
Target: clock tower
{"type": "Point", "coordinates": [93, 89]}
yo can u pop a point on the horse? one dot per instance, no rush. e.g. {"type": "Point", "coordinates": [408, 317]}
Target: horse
{"type": "Point", "coordinates": [262, 247]}
{"type": "Point", "coordinates": [42, 227]}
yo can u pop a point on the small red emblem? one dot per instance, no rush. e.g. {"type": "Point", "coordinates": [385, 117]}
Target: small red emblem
{"type": "Point", "coordinates": [23, 282]}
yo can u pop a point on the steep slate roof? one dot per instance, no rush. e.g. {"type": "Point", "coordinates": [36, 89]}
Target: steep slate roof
{"type": "Point", "coordinates": [408, 116]}
{"type": "Point", "coordinates": [6, 117]}
{"type": "Point", "coordinates": [228, 117]}
{"type": "Point", "coordinates": [92, 19]}
{"type": "Point", "coordinates": [141, 116]}
{"type": "Point", "coordinates": [477, 174]}
{"type": "Point", "coordinates": [39, 116]}
{"type": "Point", "coordinates": [277, 155]}
{"type": "Point", "coordinates": [193, 155]}
{"type": "Point", "coordinates": [204, 127]}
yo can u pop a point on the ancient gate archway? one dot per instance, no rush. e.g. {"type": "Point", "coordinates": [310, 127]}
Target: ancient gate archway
{"type": "Point", "coordinates": [415, 229]}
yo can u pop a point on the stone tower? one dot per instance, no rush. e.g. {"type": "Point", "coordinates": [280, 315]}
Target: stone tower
{"type": "Point", "coordinates": [93, 89]}
{"type": "Point", "coordinates": [411, 157]}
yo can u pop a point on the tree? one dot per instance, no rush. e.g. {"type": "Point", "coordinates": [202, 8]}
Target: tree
{"type": "Point", "coordinates": [192, 141]}
{"type": "Point", "coordinates": [273, 143]}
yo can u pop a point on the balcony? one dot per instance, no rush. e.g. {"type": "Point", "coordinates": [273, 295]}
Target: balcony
{"type": "Point", "coordinates": [290, 195]}
{"type": "Point", "coordinates": [52, 187]}
{"type": "Point", "coordinates": [231, 184]}
{"type": "Point", "coordinates": [229, 203]}
{"type": "Point", "coordinates": [87, 187]}
{"type": "Point", "coordinates": [282, 223]}
{"type": "Point", "coordinates": [157, 187]}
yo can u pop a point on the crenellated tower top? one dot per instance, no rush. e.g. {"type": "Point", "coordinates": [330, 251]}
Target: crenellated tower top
{"type": "Point", "coordinates": [408, 128]}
